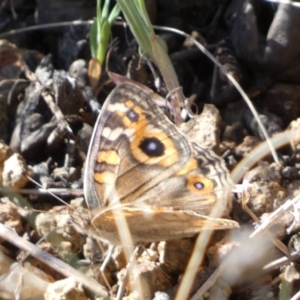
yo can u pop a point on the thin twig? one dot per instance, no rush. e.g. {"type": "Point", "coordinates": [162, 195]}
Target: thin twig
{"type": "Point", "coordinates": [56, 264]}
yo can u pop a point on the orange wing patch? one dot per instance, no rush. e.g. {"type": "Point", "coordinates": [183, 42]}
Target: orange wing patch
{"type": "Point", "coordinates": [110, 157]}
{"type": "Point", "coordinates": [149, 147]}
{"type": "Point", "coordinates": [191, 165]}
{"type": "Point", "coordinates": [199, 184]}
{"type": "Point", "coordinates": [105, 177]}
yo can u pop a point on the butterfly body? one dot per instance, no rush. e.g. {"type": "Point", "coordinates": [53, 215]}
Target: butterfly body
{"type": "Point", "coordinates": [142, 168]}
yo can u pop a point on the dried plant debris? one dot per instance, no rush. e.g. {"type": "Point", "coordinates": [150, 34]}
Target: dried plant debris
{"type": "Point", "coordinates": [47, 113]}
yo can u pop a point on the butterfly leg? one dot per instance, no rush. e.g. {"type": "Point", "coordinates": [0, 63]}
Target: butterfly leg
{"type": "Point", "coordinates": [129, 266]}
{"type": "Point", "coordinates": [105, 263]}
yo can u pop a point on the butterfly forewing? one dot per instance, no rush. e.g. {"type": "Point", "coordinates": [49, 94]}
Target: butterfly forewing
{"type": "Point", "coordinates": [134, 147]}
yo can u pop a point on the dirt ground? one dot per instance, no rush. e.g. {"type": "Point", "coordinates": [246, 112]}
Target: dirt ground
{"type": "Point", "coordinates": [47, 113]}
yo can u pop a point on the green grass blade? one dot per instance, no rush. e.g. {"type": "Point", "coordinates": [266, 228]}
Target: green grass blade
{"type": "Point", "coordinates": [145, 16]}
{"type": "Point", "coordinates": [93, 39]}
{"type": "Point", "coordinates": [105, 9]}
{"type": "Point", "coordinates": [114, 14]}
{"type": "Point", "coordinates": [138, 25]}
{"type": "Point", "coordinates": [104, 39]}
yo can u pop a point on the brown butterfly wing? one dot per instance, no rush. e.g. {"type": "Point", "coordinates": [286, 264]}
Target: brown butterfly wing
{"type": "Point", "coordinates": [152, 225]}
{"type": "Point", "coordinates": [134, 147]}
{"type": "Point", "coordinates": [140, 160]}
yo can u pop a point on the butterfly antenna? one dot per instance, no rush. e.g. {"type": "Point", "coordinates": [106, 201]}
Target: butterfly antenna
{"type": "Point", "coordinates": [174, 113]}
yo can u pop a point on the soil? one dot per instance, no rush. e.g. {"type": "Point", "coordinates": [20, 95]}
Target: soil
{"type": "Point", "coordinates": [49, 105]}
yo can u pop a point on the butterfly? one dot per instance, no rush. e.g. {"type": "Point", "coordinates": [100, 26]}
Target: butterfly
{"type": "Point", "coordinates": [142, 168]}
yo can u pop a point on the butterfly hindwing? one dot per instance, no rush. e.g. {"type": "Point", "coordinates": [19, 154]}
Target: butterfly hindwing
{"type": "Point", "coordinates": [153, 225]}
